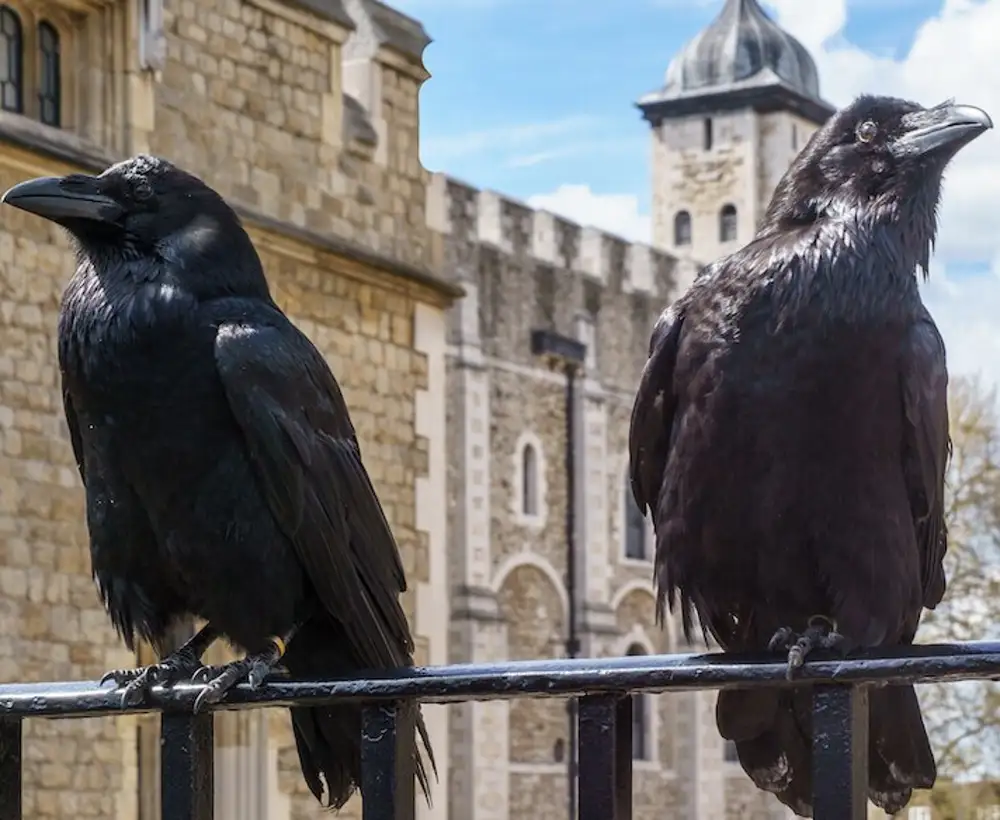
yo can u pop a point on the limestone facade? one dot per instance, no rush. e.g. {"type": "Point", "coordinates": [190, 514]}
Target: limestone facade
{"type": "Point", "coordinates": [707, 162]}
{"type": "Point", "coordinates": [305, 116]}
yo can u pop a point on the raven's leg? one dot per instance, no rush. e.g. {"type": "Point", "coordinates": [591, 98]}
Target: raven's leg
{"type": "Point", "coordinates": [253, 668]}
{"type": "Point", "coordinates": [179, 664]}
{"type": "Point", "coordinates": [821, 633]}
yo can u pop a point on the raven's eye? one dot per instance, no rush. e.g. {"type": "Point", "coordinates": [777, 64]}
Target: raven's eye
{"type": "Point", "coordinates": [866, 131]}
{"type": "Point", "coordinates": [142, 190]}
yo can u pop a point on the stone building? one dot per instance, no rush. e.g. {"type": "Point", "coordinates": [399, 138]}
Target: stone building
{"type": "Point", "coordinates": [738, 102]}
{"type": "Point", "coordinates": [304, 114]}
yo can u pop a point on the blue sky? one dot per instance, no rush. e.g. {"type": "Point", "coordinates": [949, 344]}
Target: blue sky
{"type": "Point", "coordinates": [527, 95]}
{"type": "Point", "coordinates": [534, 98]}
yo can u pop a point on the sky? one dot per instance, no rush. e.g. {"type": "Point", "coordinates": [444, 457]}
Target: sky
{"type": "Point", "coordinates": [535, 99]}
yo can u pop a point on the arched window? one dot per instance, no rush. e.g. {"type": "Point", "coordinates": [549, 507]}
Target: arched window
{"type": "Point", "coordinates": [529, 480]}
{"type": "Point", "coordinates": [682, 228]}
{"type": "Point", "coordinates": [635, 527]}
{"type": "Point", "coordinates": [50, 75]}
{"type": "Point", "coordinates": [640, 716]}
{"type": "Point", "coordinates": [727, 223]}
{"type": "Point", "coordinates": [11, 60]}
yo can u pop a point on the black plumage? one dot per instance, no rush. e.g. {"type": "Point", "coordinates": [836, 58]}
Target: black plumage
{"type": "Point", "coordinates": [223, 475]}
{"type": "Point", "coordinates": [790, 436]}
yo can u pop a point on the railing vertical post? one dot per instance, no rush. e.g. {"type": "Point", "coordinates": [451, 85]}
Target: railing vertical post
{"type": "Point", "coordinates": [387, 762]}
{"type": "Point", "coordinates": [187, 774]}
{"type": "Point", "coordinates": [10, 769]}
{"type": "Point", "coordinates": [605, 780]}
{"type": "Point", "coordinates": [840, 752]}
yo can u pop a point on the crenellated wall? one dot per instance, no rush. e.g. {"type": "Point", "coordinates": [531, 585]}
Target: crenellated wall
{"type": "Point", "coordinates": [526, 269]}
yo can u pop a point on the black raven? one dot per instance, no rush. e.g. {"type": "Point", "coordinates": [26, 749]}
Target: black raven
{"type": "Point", "coordinates": [223, 476]}
{"type": "Point", "coordinates": [790, 436]}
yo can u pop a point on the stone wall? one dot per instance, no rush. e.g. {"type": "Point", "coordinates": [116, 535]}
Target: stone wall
{"type": "Point", "coordinates": [251, 94]}
{"type": "Point", "coordinates": [688, 176]}
{"type": "Point", "coordinates": [749, 153]}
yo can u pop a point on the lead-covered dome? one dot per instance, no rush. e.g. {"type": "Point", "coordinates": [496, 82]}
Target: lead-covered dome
{"type": "Point", "coordinates": [741, 45]}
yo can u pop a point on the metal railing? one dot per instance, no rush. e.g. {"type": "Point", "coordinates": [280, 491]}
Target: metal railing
{"type": "Point", "coordinates": [603, 686]}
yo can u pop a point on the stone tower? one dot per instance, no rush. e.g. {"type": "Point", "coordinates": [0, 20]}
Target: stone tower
{"type": "Point", "coordinates": [738, 103]}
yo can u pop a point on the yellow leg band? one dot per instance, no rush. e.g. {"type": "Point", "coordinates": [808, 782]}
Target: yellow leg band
{"type": "Point", "coordinates": [280, 644]}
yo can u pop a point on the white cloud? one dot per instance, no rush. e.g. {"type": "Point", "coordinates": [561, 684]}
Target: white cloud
{"type": "Point", "coordinates": [953, 55]}
{"type": "Point", "coordinates": [616, 213]}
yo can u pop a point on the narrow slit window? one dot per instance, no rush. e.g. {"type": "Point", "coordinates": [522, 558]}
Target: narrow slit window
{"type": "Point", "coordinates": [635, 527]}
{"type": "Point", "coordinates": [529, 480]}
{"type": "Point", "coordinates": [50, 75]}
{"type": "Point", "coordinates": [682, 228]}
{"type": "Point", "coordinates": [11, 61]}
{"type": "Point", "coordinates": [707, 135]}
{"type": "Point", "coordinates": [727, 223]}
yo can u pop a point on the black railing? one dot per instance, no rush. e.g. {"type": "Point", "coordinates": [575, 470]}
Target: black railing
{"type": "Point", "coordinates": [840, 726]}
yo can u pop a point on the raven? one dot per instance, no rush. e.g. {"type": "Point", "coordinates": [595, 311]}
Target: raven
{"type": "Point", "coordinates": [223, 476]}
{"type": "Point", "coordinates": [789, 436]}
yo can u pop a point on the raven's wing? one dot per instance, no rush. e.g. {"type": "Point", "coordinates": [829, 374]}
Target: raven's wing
{"type": "Point", "coordinates": [651, 426]}
{"type": "Point", "coordinates": [926, 448]}
{"type": "Point", "coordinates": [73, 425]}
{"type": "Point", "coordinates": [306, 457]}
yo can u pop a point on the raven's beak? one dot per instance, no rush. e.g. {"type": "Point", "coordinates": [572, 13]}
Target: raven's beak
{"type": "Point", "coordinates": [58, 198]}
{"type": "Point", "coordinates": [948, 127]}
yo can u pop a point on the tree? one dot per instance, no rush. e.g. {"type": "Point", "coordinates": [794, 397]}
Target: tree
{"type": "Point", "coordinates": [964, 719]}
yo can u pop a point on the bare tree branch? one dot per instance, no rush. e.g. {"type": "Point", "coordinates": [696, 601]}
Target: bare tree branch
{"type": "Point", "coordinates": [964, 719]}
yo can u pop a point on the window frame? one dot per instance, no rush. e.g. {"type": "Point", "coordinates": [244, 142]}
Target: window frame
{"type": "Point", "coordinates": [537, 519]}
{"type": "Point", "coordinates": [43, 28]}
{"type": "Point", "coordinates": [629, 525]}
{"type": "Point", "coordinates": [33, 21]}
{"type": "Point", "coordinates": [728, 217]}
{"type": "Point", "coordinates": [16, 42]}
{"type": "Point", "coordinates": [683, 217]}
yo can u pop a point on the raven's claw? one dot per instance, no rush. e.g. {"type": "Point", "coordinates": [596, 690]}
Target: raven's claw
{"type": "Point", "coordinates": [219, 680]}
{"type": "Point", "coordinates": [821, 633]}
{"type": "Point", "coordinates": [137, 682]}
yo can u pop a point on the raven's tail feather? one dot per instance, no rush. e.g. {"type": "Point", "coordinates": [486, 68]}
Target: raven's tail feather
{"type": "Point", "coordinates": [772, 730]}
{"type": "Point", "coordinates": [328, 738]}
{"type": "Point", "coordinates": [900, 756]}
{"type": "Point", "coordinates": [770, 744]}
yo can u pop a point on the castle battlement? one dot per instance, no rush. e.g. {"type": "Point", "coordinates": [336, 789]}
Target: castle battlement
{"type": "Point", "coordinates": [470, 215]}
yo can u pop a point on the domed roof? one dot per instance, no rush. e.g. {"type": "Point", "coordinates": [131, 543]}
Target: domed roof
{"type": "Point", "coordinates": [741, 47]}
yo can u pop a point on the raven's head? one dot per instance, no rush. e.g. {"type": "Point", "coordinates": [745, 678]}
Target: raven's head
{"type": "Point", "coordinates": [880, 153]}
{"type": "Point", "coordinates": [142, 208]}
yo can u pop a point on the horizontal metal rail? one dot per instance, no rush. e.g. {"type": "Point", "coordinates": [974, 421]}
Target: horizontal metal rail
{"type": "Point", "coordinates": [604, 687]}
